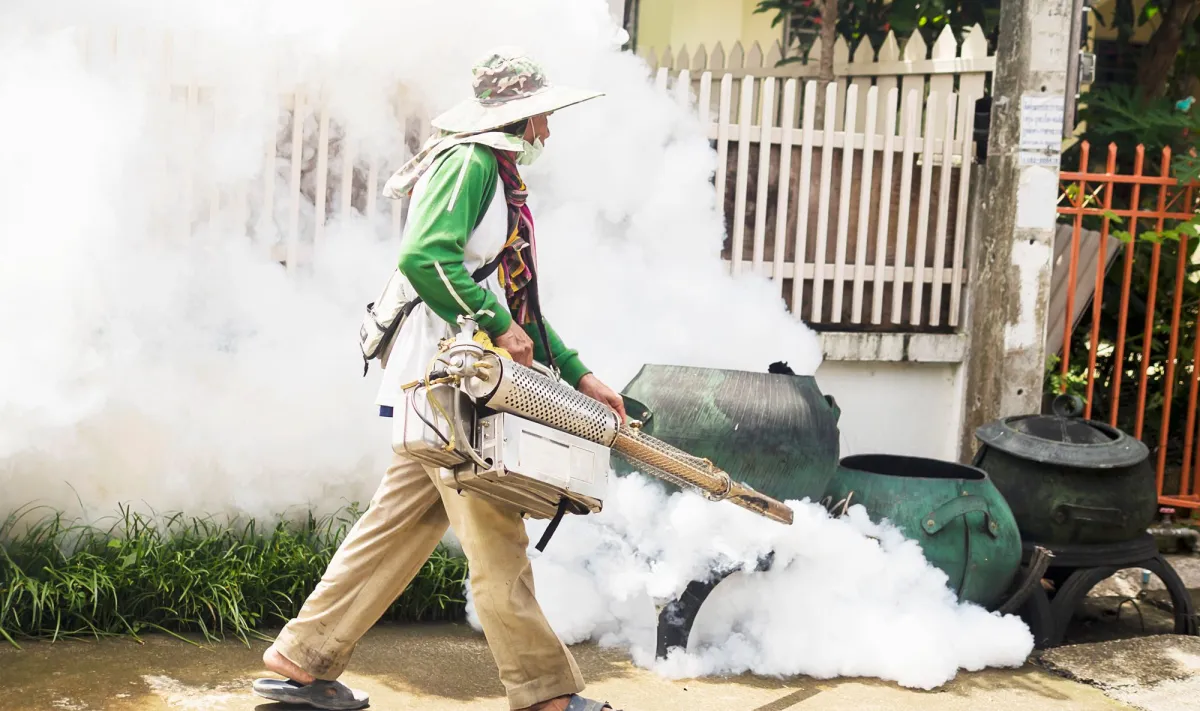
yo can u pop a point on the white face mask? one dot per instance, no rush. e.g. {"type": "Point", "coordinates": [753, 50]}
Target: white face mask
{"type": "Point", "coordinates": [532, 151]}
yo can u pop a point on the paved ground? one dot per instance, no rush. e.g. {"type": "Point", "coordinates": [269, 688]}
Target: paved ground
{"type": "Point", "coordinates": [448, 667]}
{"type": "Point", "coordinates": [1157, 673]}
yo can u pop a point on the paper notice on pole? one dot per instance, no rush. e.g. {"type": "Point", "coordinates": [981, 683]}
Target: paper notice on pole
{"type": "Point", "coordinates": [1042, 119]}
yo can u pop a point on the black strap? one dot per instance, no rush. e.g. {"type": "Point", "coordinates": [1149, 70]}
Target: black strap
{"type": "Point", "coordinates": [558, 517]}
{"type": "Point", "coordinates": [477, 276]}
{"type": "Point", "coordinates": [535, 303]}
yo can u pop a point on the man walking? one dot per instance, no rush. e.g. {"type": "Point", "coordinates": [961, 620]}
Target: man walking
{"type": "Point", "coordinates": [467, 210]}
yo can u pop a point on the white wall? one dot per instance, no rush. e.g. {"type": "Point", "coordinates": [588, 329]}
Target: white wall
{"type": "Point", "coordinates": [896, 407]}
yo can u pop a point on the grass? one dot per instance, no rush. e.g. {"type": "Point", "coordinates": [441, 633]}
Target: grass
{"type": "Point", "coordinates": [181, 574]}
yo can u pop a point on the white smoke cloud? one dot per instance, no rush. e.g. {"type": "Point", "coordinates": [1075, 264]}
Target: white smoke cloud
{"type": "Point", "coordinates": [842, 597]}
{"type": "Point", "coordinates": [139, 364]}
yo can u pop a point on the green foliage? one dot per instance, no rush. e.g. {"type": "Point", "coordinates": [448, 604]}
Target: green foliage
{"type": "Point", "coordinates": [183, 575]}
{"type": "Point", "coordinates": [1121, 115]}
{"type": "Point", "coordinates": [873, 19]}
{"type": "Point", "coordinates": [1073, 383]}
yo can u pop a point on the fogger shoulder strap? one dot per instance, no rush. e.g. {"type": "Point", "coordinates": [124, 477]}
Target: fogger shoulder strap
{"type": "Point", "coordinates": [553, 525]}
{"type": "Point", "coordinates": [535, 303]}
{"type": "Point", "coordinates": [376, 334]}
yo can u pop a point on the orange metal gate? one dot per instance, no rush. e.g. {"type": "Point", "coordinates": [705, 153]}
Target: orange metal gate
{"type": "Point", "coordinates": [1153, 213]}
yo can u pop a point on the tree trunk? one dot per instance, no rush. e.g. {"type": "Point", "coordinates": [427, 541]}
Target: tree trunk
{"type": "Point", "coordinates": [829, 20]}
{"type": "Point", "coordinates": [1159, 55]}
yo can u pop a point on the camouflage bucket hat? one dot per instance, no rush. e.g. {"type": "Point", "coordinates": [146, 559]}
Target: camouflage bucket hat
{"type": "Point", "coordinates": [508, 87]}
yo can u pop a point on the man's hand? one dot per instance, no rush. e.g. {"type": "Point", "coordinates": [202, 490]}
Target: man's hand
{"type": "Point", "coordinates": [591, 386]}
{"type": "Point", "coordinates": [517, 343]}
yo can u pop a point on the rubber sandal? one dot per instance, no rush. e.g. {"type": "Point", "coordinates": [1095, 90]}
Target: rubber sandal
{"type": "Point", "coordinates": [578, 703]}
{"type": "Point", "coordinates": [325, 695]}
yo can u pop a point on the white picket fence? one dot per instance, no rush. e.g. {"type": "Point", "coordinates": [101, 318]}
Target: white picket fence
{"type": "Point", "coordinates": [858, 212]}
{"type": "Point", "coordinates": [893, 58]}
{"type": "Point", "coordinates": [891, 120]}
{"type": "Point", "coordinates": [886, 233]}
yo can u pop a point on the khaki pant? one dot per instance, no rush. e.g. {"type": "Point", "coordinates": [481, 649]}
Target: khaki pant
{"type": "Point", "coordinates": [383, 552]}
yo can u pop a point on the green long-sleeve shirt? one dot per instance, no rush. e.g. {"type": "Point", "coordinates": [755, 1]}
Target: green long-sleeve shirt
{"type": "Point", "coordinates": [459, 190]}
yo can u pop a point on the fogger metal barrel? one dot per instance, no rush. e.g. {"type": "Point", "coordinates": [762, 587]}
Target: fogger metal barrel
{"type": "Point", "coordinates": [505, 386]}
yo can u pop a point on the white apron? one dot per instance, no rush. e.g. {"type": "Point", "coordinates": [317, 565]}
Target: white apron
{"type": "Point", "coordinates": [417, 341]}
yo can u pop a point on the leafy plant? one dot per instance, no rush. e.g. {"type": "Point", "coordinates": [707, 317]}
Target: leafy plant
{"type": "Point", "coordinates": [873, 19]}
{"type": "Point", "coordinates": [180, 574]}
{"type": "Point", "coordinates": [1124, 116]}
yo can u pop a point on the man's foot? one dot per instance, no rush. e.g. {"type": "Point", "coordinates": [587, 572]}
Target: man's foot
{"type": "Point", "coordinates": [562, 702]}
{"type": "Point", "coordinates": [284, 667]}
{"type": "Point", "coordinates": [559, 704]}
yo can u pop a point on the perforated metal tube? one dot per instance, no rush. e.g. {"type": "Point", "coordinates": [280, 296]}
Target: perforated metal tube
{"type": "Point", "coordinates": [513, 388]}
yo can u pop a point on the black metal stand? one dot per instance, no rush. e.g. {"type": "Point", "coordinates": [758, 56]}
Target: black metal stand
{"type": "Point", "coordinates": [1080, 567]}
{"type": "Point", "coordinates": [676, 619]}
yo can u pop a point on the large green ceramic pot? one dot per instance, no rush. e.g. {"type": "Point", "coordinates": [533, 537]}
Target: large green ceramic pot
{"type": "Point", "coordinates": [775, 432]}
{"type": "Point", "coordinates": [960, 520]}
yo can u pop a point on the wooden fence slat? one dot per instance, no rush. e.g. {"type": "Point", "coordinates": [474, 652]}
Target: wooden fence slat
{"type": "Point", "coordinates": [864, 54]}
{"type": "Point", "coordinates": [909, 120]}
{"type": "Point", "coordinates": [737, 57]}
{"type": "Point", "coordinates": [774, 56]}
{"type": "Point", "coordinates": [943, 213]}
{"type": "Point", "coordinates": [787, 118]}
{"type": "Point", "coordinates": [914, 50]}
{"type": "Point", "coordinates": [889, 51]}
{"type": "Point", "coordinates": [299, 113]}
{"type": "Point", "coordinates": [965, 117]}
{"type": "Point", "coordinates": [885, 201]}
{"type": "Point", "coordinates": [881, 235]}
{"type": "Point", "coordinates": [348, 160]}
{"type": "Point", "coordinates": [266, 221]}
{"type": "Point", "coordinates": [864, 206]}
{"type": "Point", "coordinates": [397, 218]}
{"type": "Point", "coordinates": [322, 175]}
{"type": "Point", "coordinates": [705, 100]}
{"type": "Point", "coordinates": [841, 57]}
{"type": "Point", "coordinates": [723, 141]}
{"type": "Point", "coordinates": [944, 48]}
{"type": "Point", "coordinates": [754, 58]}
{"type": "Point", "coordinates": [716, 62]}
{"type": "Point", "coordinates": [683, 89]}
{"type": "Point", "coordinates": [660, 79]}
{"type": "Point", "coordinates": [927, 156]}
{"type": "Point", "coordinates": [974, 47]}
{"type": "Point", "coordinates": [843, 225]}
{"type": "Point", "coordinates": [373, 188]}
{"type": "Point", "coordinates": [823, 203]}
{"type": "Point", "coordinates": [763, 187]}
{"type": "Point", "coordinates": [808, 122]}
{"type": "Point", "coordinates": [745, 118]}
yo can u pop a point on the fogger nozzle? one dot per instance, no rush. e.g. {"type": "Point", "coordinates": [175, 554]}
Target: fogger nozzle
{"type": "Point", "coordinates": [513, 388]}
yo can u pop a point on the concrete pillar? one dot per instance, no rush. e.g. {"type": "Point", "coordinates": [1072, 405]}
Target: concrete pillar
{"type": "Point", "coordinates": [1011, 252]}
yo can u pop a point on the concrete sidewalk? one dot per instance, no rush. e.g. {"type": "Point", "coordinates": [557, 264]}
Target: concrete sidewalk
{"type": "Point", "coordinates": [449, 668]}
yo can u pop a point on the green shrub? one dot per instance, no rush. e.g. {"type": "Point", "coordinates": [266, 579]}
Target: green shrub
{"type": "Point", "coordinates": [183, 574]}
